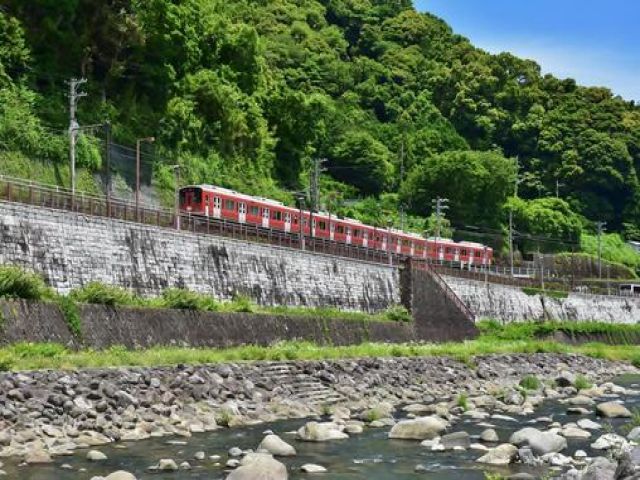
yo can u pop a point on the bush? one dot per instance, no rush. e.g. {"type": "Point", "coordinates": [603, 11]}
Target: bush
{"type": "Point", "coordinates": [71, 314]}
{"type": "Point", "coordinates": [101, 294]}
{"type": "Point", "coordinates": [242, 303]}
{"type": "Point", "coordinates": [530, 382]}
{"type": "Point", "coordinates": [18, 283]}
{"type": "Point", "coordinates": [398, 313]}
{"type": "Point", "coordinates": [183, 299]}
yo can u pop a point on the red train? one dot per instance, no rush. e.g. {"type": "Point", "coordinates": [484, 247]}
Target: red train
{"type": "Point", "coordinates": [221, 203]}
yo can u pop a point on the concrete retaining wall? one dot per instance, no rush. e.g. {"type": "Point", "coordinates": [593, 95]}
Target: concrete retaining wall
{"type": "Point", "coordinates": [103, 326]}
{"type": "Point", "coordinates": [71, 250]}
{"type": "Point", "coordinates": [511, 304]}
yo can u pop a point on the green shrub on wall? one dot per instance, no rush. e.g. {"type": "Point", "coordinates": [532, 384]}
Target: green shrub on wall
{"type": "Point", "coordinates": [16, 282]}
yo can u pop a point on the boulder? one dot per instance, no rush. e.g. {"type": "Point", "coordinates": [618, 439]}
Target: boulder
{"type": "Point", "coordinates": [575, 432]}
{"type": "Point", "coordinates": [256, 466]}
{"type": "Point", "coordinates": [581, 401]}
{"type": "Point", "coordinates": [629, 464]}
{"type": "Point", "coordinates": [600, 469]}
{"type": "Point", "coordinates": [37, 456]}
{"type": "Point", "coordinates": [587, 424]}
{"type": "Point", "coordinates": [522, 436]}
{"type": "Point", "coordinates": [489, 435]}
{"type": "Point", "coordinates": [95, 456]}
{"type": "Point", "coordinates": [120, 475]}
{"type": "Point", "coordinates": [501, 455]}
{"type": "Point", "coordinates": [276, 446]}
{"type": "Point", "coordinates": [609, 441]}
{"type": "Point", "coordinates": [613, 410]}
{"type": "Point", "coordinates": [634, 435]}
{"type": "Point", "coordinates": [422, 428]}
{"type": "Point", "coordinates": [321, 432]}
{"type": "Point", "coordinates": [312, 468]}
{"type": "Point", "coordinates": [456, 440]}
{"type": "Point", "coordinates": [547, 442]}
{"type": "Point", "coordinates": [565, 379]}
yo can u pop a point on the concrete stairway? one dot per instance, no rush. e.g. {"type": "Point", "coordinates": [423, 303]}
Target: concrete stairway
{"type": "Point", "coordinates": [302, 387]}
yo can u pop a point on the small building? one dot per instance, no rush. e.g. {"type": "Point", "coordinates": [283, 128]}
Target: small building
{"type": "Point", "coordinates": [630, 289]}
{"type": "Point", "coordinates": [635, 245]}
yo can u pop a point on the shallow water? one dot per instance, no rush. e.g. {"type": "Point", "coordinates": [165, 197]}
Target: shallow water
{"type": "Point", "coordinates": [369, 456]}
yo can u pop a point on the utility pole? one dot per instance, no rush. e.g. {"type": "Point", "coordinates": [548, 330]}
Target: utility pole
{"type": "Point", "coordinates": [107, 156]}
{"type": "Point", "coordinates": [558, 185]}
{"type": "Point", "coordinates": [138, 142]}
{"type": "Point", "coordinates": [315, 183]}
{"type": "Point", "coordinates": [300, 198]}
{"type": "Point", "coordinates": [74, 96]}
{"type": "Point", "coordinates": [439, 206]}
{"type": "Point", "coordinates": [600, 226]}
{"type": "Point", "coordinates": [515, 194]}
{"type": "Point", "coordinates": [176, 195]}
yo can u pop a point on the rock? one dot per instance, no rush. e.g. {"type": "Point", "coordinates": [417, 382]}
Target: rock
{"type": "Point", "coordinates": [513, 398]}
{"type": "Point", "coordinates": [96, 456]}
{"type": "Point", "coordinates": [199, 455]}
{"type": "Point", "coordinates": [521, 476]}
{"type": "Point", "coordinates": [609, 441]}
{"type": "Point", "coordinates": [613, 410]}
{"type": "Point", "coordinates": [600, 469]}
{"type": "Point", "coordinates": [565, 379]}
{"type": "Point", "coordinates": [522, 436]}
{"type": "Point", "coordinates": [581, 401]}
{"type": "Point", "coordinates": [489, 435]}
{"type": "Point", "coordinates": [500, 455]}
{"type": "Point", "coordinates": [418, 429]}
{"type": "Point", "coordinates": [575, 432]}
{"type": "Point", "coordinates": [167, 465]}
{"type": "Point", "coordinates": [274, 445]}
{"type": "Point", "coordinates": [587, 424]}
{"type": "Point", "coordinates": [259, 467]}
{"type": "Point", "coordinates": [235, 452]}
{"type": "Point", "coordinates": [580, 454]}
{"type": "Point", "coordinates": [312, 468]}
{"type": "Point", "coordinates": [456, 440]}
{"type": "Point", "coordinates": [547, 442]}
{"type": "Point", "coordinates": [37, 456]}
{"type": "Point", "coordinates": [634, 435]}
{"type": "Point", "coordinates": [321, 432]}
{"type": "Point", "coordinates": [629, 464]}
{"type": "Point", "coordinates": [353, 429]}
{"type": "Point", "coordinates": [120, 475]}
{"type": "Point", "coordinates": [185, 466]}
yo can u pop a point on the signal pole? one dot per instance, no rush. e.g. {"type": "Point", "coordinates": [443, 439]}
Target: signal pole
{"type": "Point", "coordinates": [439, 205]}
{"type": "Point", "coordinates": [176, 195]}
{"type": "Point", "coordinates": [600, 226]}
{"type": "Point", "coordinates": [74, 96]}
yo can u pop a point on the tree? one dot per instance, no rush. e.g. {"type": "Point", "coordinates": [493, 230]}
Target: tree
{"type": "Point", "coordinates": [438, 226]}
{"type": "Point", "coordinates": [476, 183]}
{"type": "Point", "coordinates": [361, 160]}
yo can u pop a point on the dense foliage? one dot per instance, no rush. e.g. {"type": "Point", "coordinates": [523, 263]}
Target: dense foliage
{"type": "Point", "coordinates": [246, 93]}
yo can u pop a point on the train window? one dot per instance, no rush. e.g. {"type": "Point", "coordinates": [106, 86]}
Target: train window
{"type": "Point", "coordinates": [405, 243]}
{"type": "Point", "coordinates": [295, 220]}
{"type": "Point", "coordinates": [242, 207]}
{"type": "Point", "coordinates": [463, 253]}
{"type": "Point", "coordinates": [287, 217]}
{"type": "Point", "coordinates": [276, 215]}
{"type": "Point", "coordinates": [356, 233]}
{"type": "Point", "coordinates": [339, 229]}
{"type": "Point", "coordinates": [229, 205]}
{"type": "Point", "coordinates": [448, 250]}
{"type": "Point", "coordinates": [323, 225]}
{"type": "Point", "coordinates": [206, 200]}
{"type": "Point", "coordinates": [365, 235]}
{"type": "Point", "coordinates": [216, 202]}
{"type": "Point", "coordinates": [255, 211]}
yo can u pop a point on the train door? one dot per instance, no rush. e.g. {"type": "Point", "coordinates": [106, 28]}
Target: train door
{"type": "Point", "coordinates": [313, 227]}
{"type": "Point", "coordinates": [471, 253]}
{"type": "Point", "coordinates": [413, 249]}
{"type": "Point", "coordinates": [441, 253]}
{"type": "Point", "coordinates": [217, 207]}
{"type": "Point", "coordinates": [456, 255]}
{"type": "Point", "coordinates": [287, 222]}
{"type": "Point", "coordinates": [265, 217]}
{"type": "Point", "coordinates": [365, 239]}
{"type": "Point", "coordinates": [242, 212]}
{"type": "Point", "coordinates": [349, 235]}
{"type": "Point", "coordinates": [332, 231]}
{"type": "Point", "coordinates": [207, 200]}
{"type": "Point", "coordinates": [398, 245]}
{"type": "Point", "coordinates": [384, 243]}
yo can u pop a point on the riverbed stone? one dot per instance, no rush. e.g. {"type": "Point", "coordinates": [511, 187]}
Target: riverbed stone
{"type": "Point", "coordinates": [312, 468]}
{"type": "Point", "coordinates": [547, 442]}
{"type": "Point", "coordinates": [587, 424]}
{"type": "Point", "coordinates": [422, 428]}
{"type": "Point", "coordinates": [601, 468]}
{"type": "Point", "coordinates": [613, 410]}
{"type": "Point", "coordinates": [455, 440]}
{"type": "Point", "coordinates": [321, 432]}
{"type": "Point", "coordinates": [256, 466]}
{"type": "Point", "coordinates": [274, 445]}
{"type": "Point", "coordinates": [634, 435]}
{"type": "Point", "coordinates": [489, 435]}
{"type": "Point", "coordinates": [37, 456]}
{"type": "Point", "coordinates": [501, 455]}
{"type": "Point", "coordinates": [610, 441]}
{"type": "Point", "coordinates": [120, 475]}
{"type": "Point", "coordinates": [96, 456]}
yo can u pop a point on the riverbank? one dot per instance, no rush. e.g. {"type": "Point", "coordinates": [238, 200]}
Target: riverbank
{"type": "Point", "coordinates": [50, 413]}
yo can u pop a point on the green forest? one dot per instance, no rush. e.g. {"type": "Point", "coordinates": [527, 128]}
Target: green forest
{"type": "Point", "coordinates": [248, 93]}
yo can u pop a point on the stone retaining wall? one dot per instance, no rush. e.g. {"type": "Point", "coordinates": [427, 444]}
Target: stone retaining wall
{"type": "Point", "coordinates": [71, 250]}
{"type": "Point", "coordinates": [511, 304]}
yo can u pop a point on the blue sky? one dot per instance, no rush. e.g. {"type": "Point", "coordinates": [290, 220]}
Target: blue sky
{"type": "Point", "coordinates": [594, 41]}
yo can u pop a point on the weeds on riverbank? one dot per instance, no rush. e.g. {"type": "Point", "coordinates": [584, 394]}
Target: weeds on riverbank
{"type": "Point", "coordinates": [537, 330]}
{"type": "Point", "coordinates": [41, 356]}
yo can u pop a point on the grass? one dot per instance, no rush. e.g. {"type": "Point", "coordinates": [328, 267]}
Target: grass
{"type": "Point", "coordinates": [25, 356]}
{"type": "Point", "coordinates": [530, 382]}
{"type": "Point", "coordinates": [16, 282]}
{"type": "Point", "coordinates": [582, 383]}
{"type": "Point", "coordinates": [536, 330]}
{"type": "Point", "coordinates": [547, 293]}
{"type": "Point", "coordinates": [463, 401]}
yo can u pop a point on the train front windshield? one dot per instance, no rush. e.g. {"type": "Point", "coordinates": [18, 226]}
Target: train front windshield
{"type": "Point", "coordinates": [190, 197]}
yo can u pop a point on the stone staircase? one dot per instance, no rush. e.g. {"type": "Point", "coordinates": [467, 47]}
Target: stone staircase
{"type": "Point", "coordinates": [303, 387]}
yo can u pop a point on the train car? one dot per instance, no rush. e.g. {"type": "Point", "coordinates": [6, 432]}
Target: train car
{"type": "Point", "coordinates": [225, 204]}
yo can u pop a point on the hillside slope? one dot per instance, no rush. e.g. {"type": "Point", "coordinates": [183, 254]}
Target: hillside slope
{"type": "Point", "coordinates": [247, 93]}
